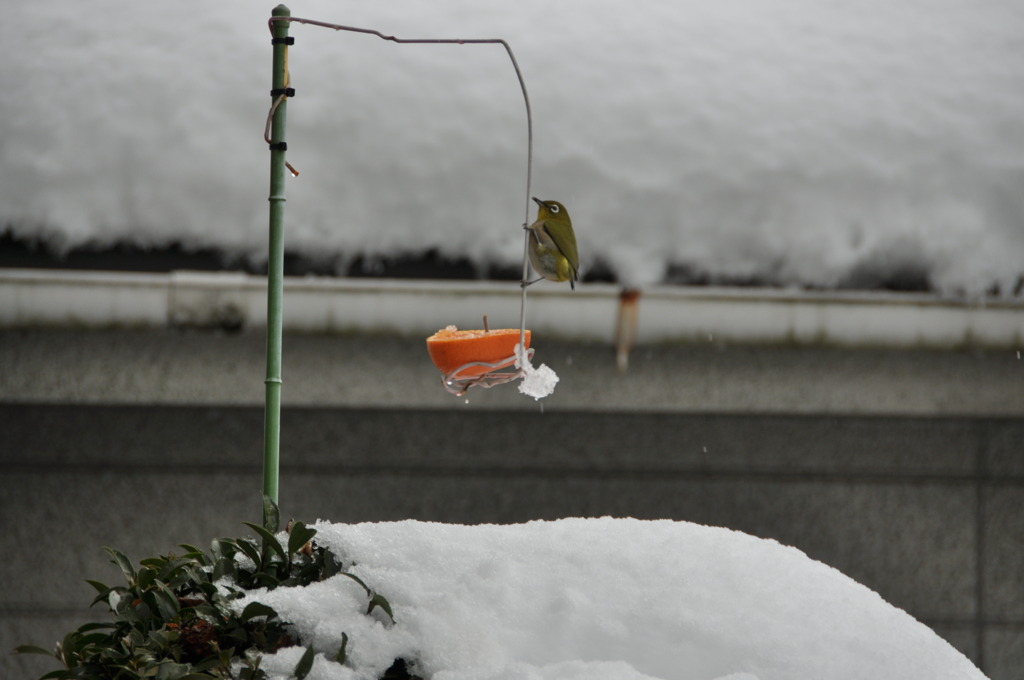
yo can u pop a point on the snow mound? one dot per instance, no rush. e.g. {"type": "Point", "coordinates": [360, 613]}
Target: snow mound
{"type": "Point", "coordinates": [599, 599]}
{"type": "Point", "coordinates": [790, 143]}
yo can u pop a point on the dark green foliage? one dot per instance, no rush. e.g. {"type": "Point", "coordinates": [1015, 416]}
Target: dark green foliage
{"type": "Point", "coordinates": [174, 621]}
{"type": "Point", "coordinates": [305, 664]}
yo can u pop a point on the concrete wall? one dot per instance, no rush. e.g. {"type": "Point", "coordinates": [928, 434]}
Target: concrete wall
{"type": "Point", "coordinates": [903, 469]}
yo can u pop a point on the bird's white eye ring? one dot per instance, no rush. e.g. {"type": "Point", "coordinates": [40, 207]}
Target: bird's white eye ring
{"type": "Point", "coordinates": [553, 209]}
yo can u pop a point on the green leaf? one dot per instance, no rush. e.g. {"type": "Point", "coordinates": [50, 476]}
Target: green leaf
{"type": "Point", "coordinates": [191, 579]}
{"type": "Point", "coordinates": [380, 601]}
{"type": "Point", "coordinates": [205, 665]}
{"type": "Point", "coordinates": [145, 578]}
{"type": "Point", "coordinates": [357, 580]}
{"type": "Point", "coordinates": [101, 588]}
{"type": "Point", "coordinates": [68, 646]}
{"type": "Point", "coordinates": [166, 602]}
{"type": "Point", "coordinates": [171, 671]}
{"type": "Point", "coordinates": [196, 554]}
{"type": "Point", "coordinates": [32, 649]}
{"type": "Point", "coordinates": [268, 581]}
{"type": "Point", "coordinates": [53, 675]}
{"type": "Point", "coordinates": [253, 658]}
{"type": "Point", "coordinates": [149, 607]}
{"type": "Point", "coordinates": [211, 614]}
{"type": "Point", "coordinates": [376, 600]}
{"type": "Point", "coordinates": [251, 551]}
{"type": "Point", "coordinates": [300, 535]}
{"type": "Point", "coordinates": [254, 609]}
{"type": "Point", "coordinates": [227, 654]}
{"type": "Point", "coordinates": [342, 654]}
{"type": "Point", "coordinates": [270, 542]}
{"type": "Point", "coordinates": [305, 664]}
{"type": "Point", "coordinates": [102, 596]}
{"type": "Point", "coordinates": [271, 515]}
{"type": "Point", "coordinates": [225, 566]}
{"type": "Point", "coordinates": [91, 639]}
{"type": "Point", "coordinates": [174, 567]}
{"type": "Point", "coordinates": [207, 589]}
{"type": "Point", "coordinates": [86, 627]}
{"type": "Point", "coordinates": [332, 565]}
{"type": "Point", "coordinates": [155, 563]}
{"type": "Point", "coordinates": [223, 548]}
{"type": "Point", "coordinates": [122, 561]}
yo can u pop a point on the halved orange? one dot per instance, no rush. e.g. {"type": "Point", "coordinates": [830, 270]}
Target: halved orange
{"type": "Point", "coordinates": [450, 348]}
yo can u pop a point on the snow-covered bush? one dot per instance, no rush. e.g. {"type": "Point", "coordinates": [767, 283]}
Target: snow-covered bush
{"type": "Point", "coordinates": [178, 617]}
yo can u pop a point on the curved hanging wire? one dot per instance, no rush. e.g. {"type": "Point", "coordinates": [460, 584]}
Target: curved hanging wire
{"type": "Point", "coordinates": [521, 354]}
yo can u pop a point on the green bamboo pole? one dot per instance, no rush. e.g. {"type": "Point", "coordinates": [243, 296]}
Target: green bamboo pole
{"type": "Point", "coordinates": [275, 265]}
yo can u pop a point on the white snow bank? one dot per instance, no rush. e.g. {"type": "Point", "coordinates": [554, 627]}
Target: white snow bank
{"type": "Point", "coordinates": [793, 141]}
{"type": "Point", "coordinates": [600, 599]}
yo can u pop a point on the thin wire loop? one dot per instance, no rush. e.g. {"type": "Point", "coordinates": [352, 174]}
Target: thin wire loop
{"type": "Point", "coordinates": [450, 41]}
{"type": "Point", "coordinates": [459, 386]}
{"type": "Point", "coordinates": [270, 116]}
{"type": "Point", "coordinates": [523, 356]}
{"type": "Point", "coordinates": [277, 102]}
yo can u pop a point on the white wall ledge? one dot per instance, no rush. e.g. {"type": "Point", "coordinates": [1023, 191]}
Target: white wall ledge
{"type": "Point", "coordinates": [61, 298]}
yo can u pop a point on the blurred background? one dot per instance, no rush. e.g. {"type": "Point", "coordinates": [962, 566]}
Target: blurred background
{"type": "Point", "coordinates": [821, 206]}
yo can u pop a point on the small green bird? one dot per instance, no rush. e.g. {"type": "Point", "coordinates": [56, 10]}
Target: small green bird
{"type": "Point", "coordinates": [552, 249]}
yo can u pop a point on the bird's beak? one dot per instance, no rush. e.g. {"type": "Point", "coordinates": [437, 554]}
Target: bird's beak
{"type": "Point", "coordinates": [539, 202]}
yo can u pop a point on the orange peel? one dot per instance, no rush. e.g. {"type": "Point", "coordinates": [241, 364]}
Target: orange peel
{"type": "Point", "coordinates": [450, 348]}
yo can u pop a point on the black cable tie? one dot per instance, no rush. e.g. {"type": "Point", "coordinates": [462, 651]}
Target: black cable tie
{"type": "Point", "coordinates": [290, 40]}
{"type": "Point", "coordinates": [279, 146]}
{"type": "Point", "coordinates": [286, 91]}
